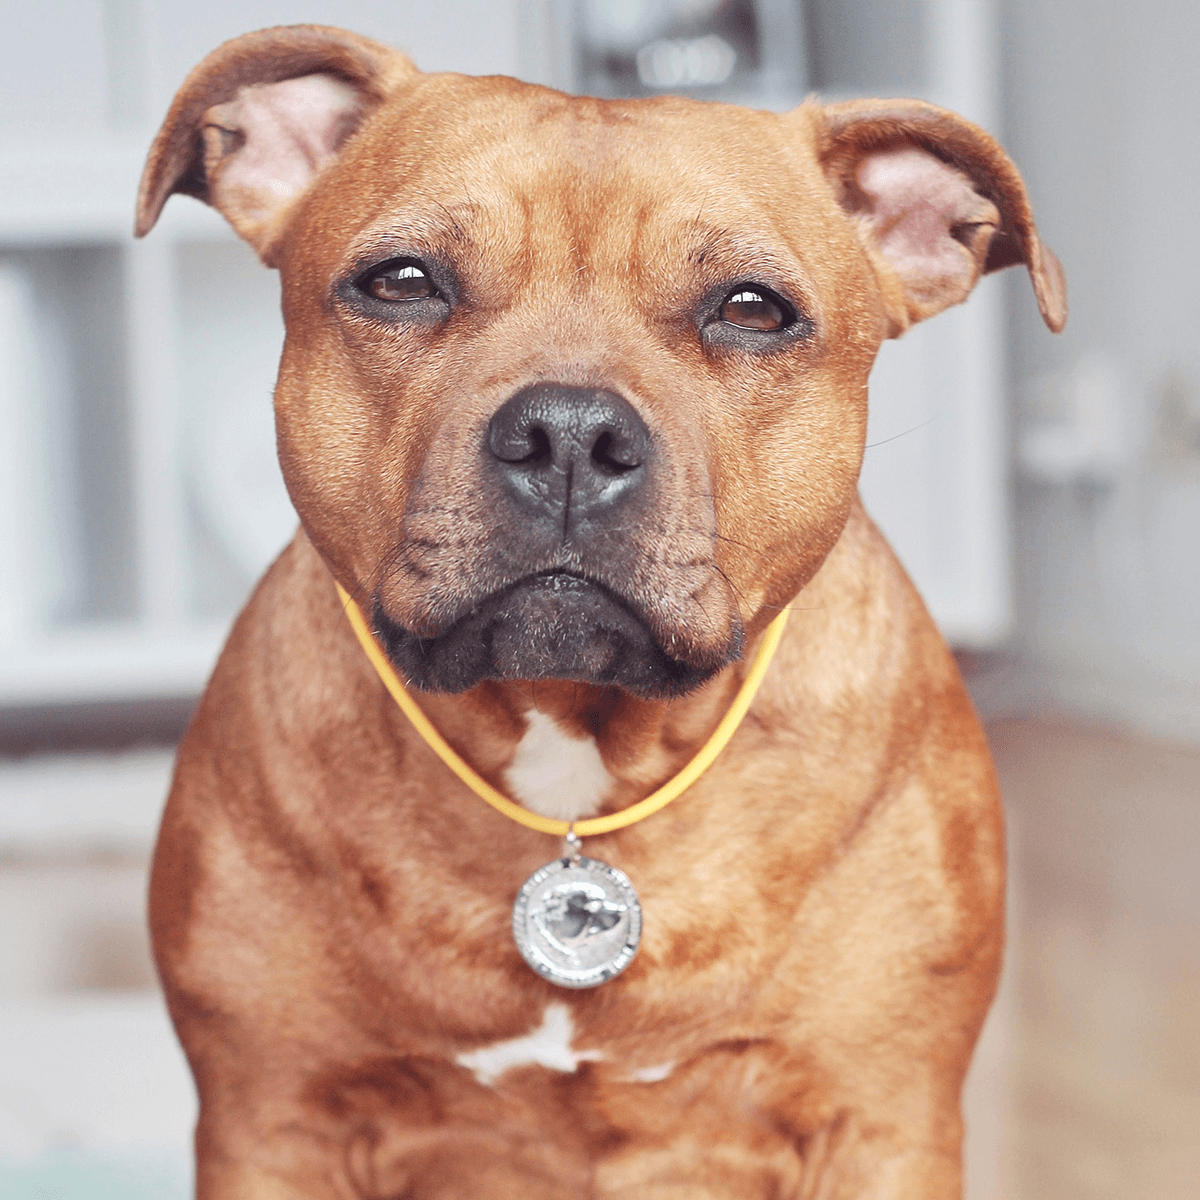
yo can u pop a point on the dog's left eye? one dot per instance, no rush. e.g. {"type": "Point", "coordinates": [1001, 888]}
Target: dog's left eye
{"type": "Point", "coordinates": [400, 281]}
{"type": "Point", "coordinates": [755, 308]}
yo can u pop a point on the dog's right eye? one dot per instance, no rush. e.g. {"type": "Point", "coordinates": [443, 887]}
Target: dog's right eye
{"type": "Point", "coordinates": [400, 281]}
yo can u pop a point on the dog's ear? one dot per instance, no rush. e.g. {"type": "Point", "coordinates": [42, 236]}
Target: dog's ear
{"type": "Point", "coordinates": [936, 202]}
{"type": "Point", "coordinates": [259, 117]}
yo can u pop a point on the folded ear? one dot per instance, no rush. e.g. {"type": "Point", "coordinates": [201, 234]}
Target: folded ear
{"type": "Point", "coordinates": [259, 117]}
{"type": "Point", "coordinates": [937, 204]}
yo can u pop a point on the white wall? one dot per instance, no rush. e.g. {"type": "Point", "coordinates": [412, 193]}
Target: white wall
{"type": "Point", "coordinates": [124, 59]}
{"type": "Point", "coordinates": [1102, 103]}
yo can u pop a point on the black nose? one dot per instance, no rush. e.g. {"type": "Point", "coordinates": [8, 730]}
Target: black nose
{"type": "Point", "coordinates": [569, 453]}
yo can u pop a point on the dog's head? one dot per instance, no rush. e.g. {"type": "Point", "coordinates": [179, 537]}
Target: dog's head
{"type": "Point", "coordinates": [576, 388]}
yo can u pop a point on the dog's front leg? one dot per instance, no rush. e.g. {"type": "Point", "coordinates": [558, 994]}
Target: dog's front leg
{"type": "Point", "coordinates": [238, 1158]}
{"type": "Point", "coordinates": [378, 1160]}
{"type": "Point", "coordinates": [219, 1178]}
{"type": "Point", "coordinates": [731, 1153]}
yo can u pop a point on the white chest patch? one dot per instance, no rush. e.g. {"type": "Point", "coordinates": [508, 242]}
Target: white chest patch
{"type": "Point", "coordinates": [547, 1046]}
{"type": "Point", "coordinates": [556, 775]}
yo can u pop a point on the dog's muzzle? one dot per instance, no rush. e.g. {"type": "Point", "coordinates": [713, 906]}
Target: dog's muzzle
{"type": "Point", "coordinates": [551, 626]}
{"type": "Point", "coordinates": [570, 472]}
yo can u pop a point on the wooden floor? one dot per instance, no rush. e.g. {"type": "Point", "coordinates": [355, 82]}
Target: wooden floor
{"type": "Point", "coordinates": [1104, 978]}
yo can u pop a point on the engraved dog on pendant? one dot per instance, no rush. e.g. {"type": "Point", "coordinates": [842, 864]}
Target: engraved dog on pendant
{"type": "Point", "coordinates": [574, 915]}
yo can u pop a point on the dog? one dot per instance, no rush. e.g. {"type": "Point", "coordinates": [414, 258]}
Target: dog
{"type": "Point", "coordinates": [572, 404]}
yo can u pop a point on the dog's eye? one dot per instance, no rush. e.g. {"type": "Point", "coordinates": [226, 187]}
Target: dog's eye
{"type": "Point", "coordinates": [755, 308]}
{"type": "Point", "coordinates": [400, 281]}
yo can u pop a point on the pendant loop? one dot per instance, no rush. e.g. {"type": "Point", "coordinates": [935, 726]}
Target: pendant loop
{"type": "Point", "coordinates": [572, 847]}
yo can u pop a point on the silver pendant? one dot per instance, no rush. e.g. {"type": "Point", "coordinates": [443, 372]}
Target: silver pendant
{"type": "Point", "coordinates": [577, 921]}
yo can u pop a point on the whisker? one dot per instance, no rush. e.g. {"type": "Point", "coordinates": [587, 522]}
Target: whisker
{"type": "Point", "coordinates": [903, 433]}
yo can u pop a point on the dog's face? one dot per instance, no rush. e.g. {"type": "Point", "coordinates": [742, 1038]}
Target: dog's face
{"type": "Point", "coordinates": [541, 375]}
{"type": "Point", "coordinates": [577, 389]}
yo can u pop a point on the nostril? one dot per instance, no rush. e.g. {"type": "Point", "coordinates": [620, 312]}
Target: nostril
{"type": "Point", "coordinates": [529, 445]}
{"type": "Point", "coordinates": [614, 454]}
{"type": "Point", "coordinates": [539, 446]}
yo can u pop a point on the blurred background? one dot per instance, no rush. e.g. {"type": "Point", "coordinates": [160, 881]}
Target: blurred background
{"type": "Point", "coordinates": [1044, 492]}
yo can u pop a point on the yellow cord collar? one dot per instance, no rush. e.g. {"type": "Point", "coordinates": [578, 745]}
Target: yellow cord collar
{"type": "Point", "coordinates": [593, 825]}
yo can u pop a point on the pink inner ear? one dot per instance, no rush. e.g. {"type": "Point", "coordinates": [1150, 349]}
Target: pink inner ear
{"type": "Point", "coordinates": [913, 203]}
{"type": "Point", "coordinates": [288, 131]}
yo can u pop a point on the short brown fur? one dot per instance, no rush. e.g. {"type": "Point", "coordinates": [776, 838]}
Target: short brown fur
{"type": "Point", "coordinates": [330, 906]}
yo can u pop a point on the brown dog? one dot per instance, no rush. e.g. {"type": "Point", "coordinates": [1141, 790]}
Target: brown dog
{"type": "Point", "coordinates": [572, 401]}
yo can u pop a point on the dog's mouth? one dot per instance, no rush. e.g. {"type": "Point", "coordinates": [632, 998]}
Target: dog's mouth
{"type": "Point", "coordinates": [552, 625]}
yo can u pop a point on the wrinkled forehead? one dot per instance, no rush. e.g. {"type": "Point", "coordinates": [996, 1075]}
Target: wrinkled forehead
{"type": "Point", "coordinates": [527, 135]}
{"type": "Point", "coordinates": [455, 161]}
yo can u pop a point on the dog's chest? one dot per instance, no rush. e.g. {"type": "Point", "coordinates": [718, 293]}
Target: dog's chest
{"type": "Point", "coordinates": [556, 1045]}
{"type": "Point", "coordinates": [555, 774]}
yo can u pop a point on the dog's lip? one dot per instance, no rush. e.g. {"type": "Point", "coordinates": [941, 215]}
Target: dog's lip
{"type": "Point", "coordinates": [546, 624]}
{"type": "Point", "coordinates": [553, 574]}
{"type": "Point", "coordinates": [566, 574]}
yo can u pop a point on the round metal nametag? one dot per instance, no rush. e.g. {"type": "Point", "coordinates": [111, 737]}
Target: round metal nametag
{"type": "Point", "coordinates": [577, 922]}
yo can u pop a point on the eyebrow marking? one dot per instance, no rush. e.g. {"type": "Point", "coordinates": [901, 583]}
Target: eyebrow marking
{"type": "Point", "coordinates": [734, 254]}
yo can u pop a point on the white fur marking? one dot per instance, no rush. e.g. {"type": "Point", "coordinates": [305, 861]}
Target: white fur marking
{"type": "Point", "coordinates": [653, 1074]}
{"type": "Point", "coordinates": [557, 775]}
{"type": "Point", "coordinates": [547, 1046]}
